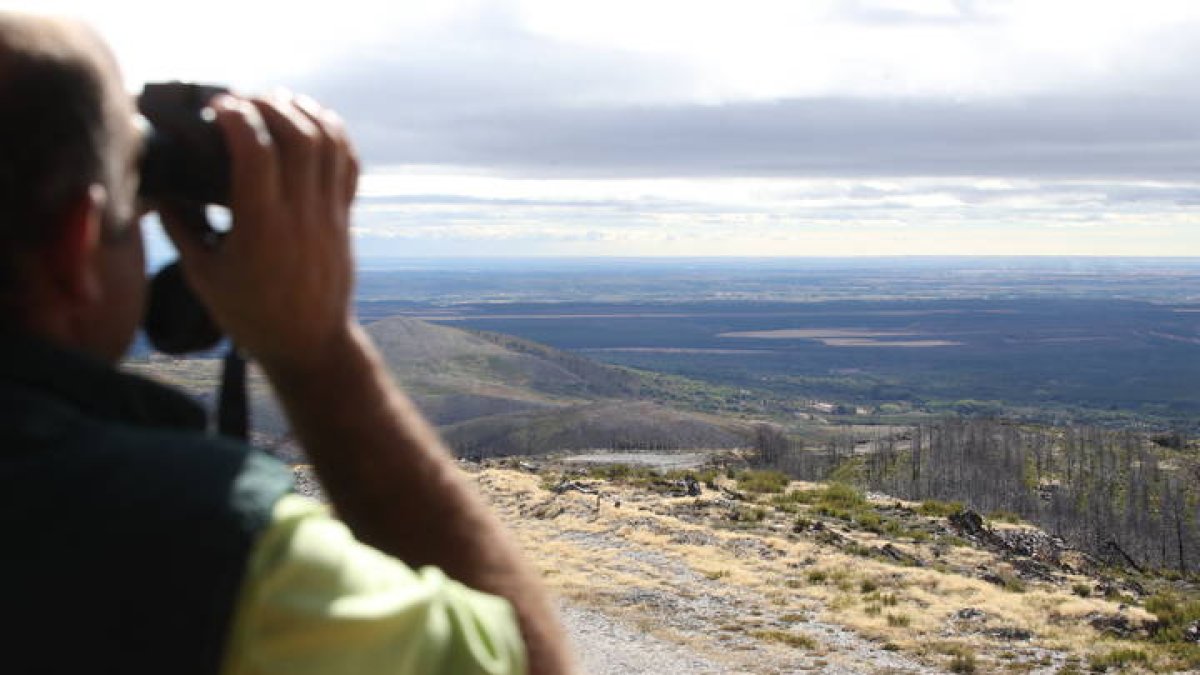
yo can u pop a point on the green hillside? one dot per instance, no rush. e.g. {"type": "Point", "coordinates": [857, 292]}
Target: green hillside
{"type": "Point", "coordinates": [609, 425]}
{"type": "Point", "coordinates": [438, 360]}
{"type": "Point", "coordinates": [497, 394]}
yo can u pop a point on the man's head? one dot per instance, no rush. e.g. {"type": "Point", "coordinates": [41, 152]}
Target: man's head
{"type": "Point", "coordinates": [71, 266]}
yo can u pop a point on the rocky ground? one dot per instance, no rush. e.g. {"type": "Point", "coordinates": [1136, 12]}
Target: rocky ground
{"type": "Point", "coordinates": [672, 576]}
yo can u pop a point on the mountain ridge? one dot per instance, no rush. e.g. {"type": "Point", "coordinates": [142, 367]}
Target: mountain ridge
{"type": "Point", "coordinates": [491, 394]}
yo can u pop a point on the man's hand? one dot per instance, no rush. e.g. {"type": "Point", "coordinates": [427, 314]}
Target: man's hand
{"type": "Point", "coordinates": [280, 281]}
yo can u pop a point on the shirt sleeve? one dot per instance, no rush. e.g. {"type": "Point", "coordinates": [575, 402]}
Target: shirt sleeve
{"type": "Point", "coordinates": [315, 600]}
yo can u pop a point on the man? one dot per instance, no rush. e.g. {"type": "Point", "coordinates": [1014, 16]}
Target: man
{"type": "Point", "coordinates": [137, 544]}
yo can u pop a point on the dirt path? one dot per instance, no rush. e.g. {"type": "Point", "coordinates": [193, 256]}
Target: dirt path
{"type": "Point", "coordinates": [606, 646]}
{"type": "Point", "coordinates": [633, 606]}
{"type": "Point", "coordinates": [609, 646]}
{"type": "Point", "coordinates": [651, 584]}
{"type": "Point", "coordinates": [662, 461]}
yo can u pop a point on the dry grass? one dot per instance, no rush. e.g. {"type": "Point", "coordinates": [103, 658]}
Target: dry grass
{"type": "Point", "coordinates": [683, 547]}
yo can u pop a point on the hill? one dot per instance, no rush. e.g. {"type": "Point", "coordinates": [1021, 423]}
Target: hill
{"type": "Point", "coordinates": [748, 571]}
{"type": "Point", "coordinates": [615, 425]}
{"type": "Point", "coordinates": [497, 394]}
{"type": "Point", "coordinates": [432, 359]}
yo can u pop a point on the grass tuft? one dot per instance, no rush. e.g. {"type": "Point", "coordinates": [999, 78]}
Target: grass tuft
{"type": "Point", "coordinates": [763, 481]}
{"type": "Point", "coordinates": [938, 509]}
{"type": "Point", "coordinates": [1118, 658]}
{"type": "Point", "coordinates": [784, 637]}
{"type": "Point", "coordinates": [1174, 614]}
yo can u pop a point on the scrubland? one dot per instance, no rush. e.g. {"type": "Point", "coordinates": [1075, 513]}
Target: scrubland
{"type": "Point", "coordinates": [760, 574]}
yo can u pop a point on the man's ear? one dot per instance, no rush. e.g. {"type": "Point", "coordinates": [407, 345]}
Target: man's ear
{"type": "Point", "coordinates": [70, 258]}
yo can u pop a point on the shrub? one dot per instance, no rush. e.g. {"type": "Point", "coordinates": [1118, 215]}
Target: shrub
{"type": "Point", "coordinates": [1082, 590]}
{"type": "Point", "coordinates": [706, 476]}
{"type": "Point", "coordinates": [938, 509]}
{"type": "Point", "coordinates": [963, 662]}
{"type": "Point", "coordinates": [1070, 667]}
{"type": "Point", "coordinates": [1008, 582]}
{"type": "Point", "coordinates": [790, 639]}
{"type": "Point", "coordinates": [1118, 658]}
{"type": "Point", "coordinates": [849, 472]}
{"type": "Point", "coordinates": [1005, 516]}
{"type": "Point", "coordinates": [869, 521]}
{"type": "Point", "coordinates": [899, 620]}
{"type": "Point", "coordinates": [919, 536]}
{"type": "Point", "coordinates": [842, 495]}
{"type": "Point", "coordinates": [855, 548]}
{"type": "Point", "coordinates": [748, 514]}
{"type": "Point", "coordinates": [624, 473]}
{"type": "Point", "coordinates": [766, 481]}
{"type": "Point", "coordinates": [1174, 614]}
{"type": "Point", "coordinates": [1183, 656]}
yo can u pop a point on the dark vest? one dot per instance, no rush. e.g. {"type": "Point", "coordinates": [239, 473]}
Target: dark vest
{"type": "Point", "coordinates": [124, 528]}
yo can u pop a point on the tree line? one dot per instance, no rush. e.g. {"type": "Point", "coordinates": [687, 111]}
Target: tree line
{"type": "Point", "coordinates": [1117, 495]}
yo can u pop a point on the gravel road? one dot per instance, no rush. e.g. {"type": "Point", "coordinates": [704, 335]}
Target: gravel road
{"type": "Point", "coordinates": [608, 647]}
{"type": "Point", "coordinates": [662, 461]}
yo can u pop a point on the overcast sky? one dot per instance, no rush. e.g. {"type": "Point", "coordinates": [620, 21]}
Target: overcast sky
{"type": "Point", "coordinates": [635, 127]}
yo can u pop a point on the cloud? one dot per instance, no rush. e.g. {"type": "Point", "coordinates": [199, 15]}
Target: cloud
{"type": "Point", "coordinates": [1048, 137]}
{"type": "Point", "coordinates": [902, 89]}
{"type": "Point", "coordinates": [668, 127]}
{"type": "Point", "coordinates": [1071, 88]}
{"type": "Point", "coordinates": [688, 213]}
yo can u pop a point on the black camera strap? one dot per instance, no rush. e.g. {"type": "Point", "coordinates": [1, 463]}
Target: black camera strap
{"type": "Point", "coordinates": [233, 411]}
{"type": "Point", "coordinates": [177, 323]}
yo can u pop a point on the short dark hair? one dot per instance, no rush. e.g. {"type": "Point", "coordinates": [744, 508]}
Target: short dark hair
{"type": "Point", "coordinates": [54, 135]}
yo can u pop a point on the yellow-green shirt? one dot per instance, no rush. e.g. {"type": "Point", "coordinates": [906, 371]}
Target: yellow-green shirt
{"type": "Point", "coordinates": [315, 600]}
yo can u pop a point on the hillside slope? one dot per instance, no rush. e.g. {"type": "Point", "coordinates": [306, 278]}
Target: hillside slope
{"type": "Point", "coordinates": [759, 574]}
{"type": "Point", "coordinates": [614, 425]}
{"type": "Point", "coordinates": [433, 359]}
{"type": "Point", "coordinates": [496, 394]}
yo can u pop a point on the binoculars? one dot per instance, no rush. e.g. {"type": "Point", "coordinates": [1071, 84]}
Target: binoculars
{"type": "Point", "coordinates": [184, 165]}
{"type": "Point", "coordinates": [184, 155]}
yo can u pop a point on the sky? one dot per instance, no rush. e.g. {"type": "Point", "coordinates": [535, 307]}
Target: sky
{"type": "Point", "coordinates": [705, 128]}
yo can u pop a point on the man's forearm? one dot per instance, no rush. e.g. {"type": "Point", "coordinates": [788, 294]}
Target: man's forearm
{"type": "Point", "coordinates": [392, 481]}
{"type": "Point", "coordinates": [280, 283]}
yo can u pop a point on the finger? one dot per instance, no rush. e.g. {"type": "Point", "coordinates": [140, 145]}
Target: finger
{"type": "Point", "coordinates": [299, 144]}
{"type": "Point", "coordinates": [333, 149]}
{"type": "Point", "coordinates": [254, 166]}
{"type": "Point", "coordinates": [350, 184]}
{"type": "Point", "coordinates": [348, 181]}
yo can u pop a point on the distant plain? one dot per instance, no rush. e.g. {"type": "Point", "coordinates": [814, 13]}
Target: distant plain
{"type": "Point", "coordinates": [1103, 340]}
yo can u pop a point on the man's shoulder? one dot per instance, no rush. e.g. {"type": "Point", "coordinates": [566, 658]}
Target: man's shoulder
{"type": "Point", "coordinates": [191, 470]}
{"type": "Point", "coordinates": [120, 527]}
{"type": "Point", "coordinates": [80, 433]}
{"type": "Point", "coordinates": [60, 457]}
